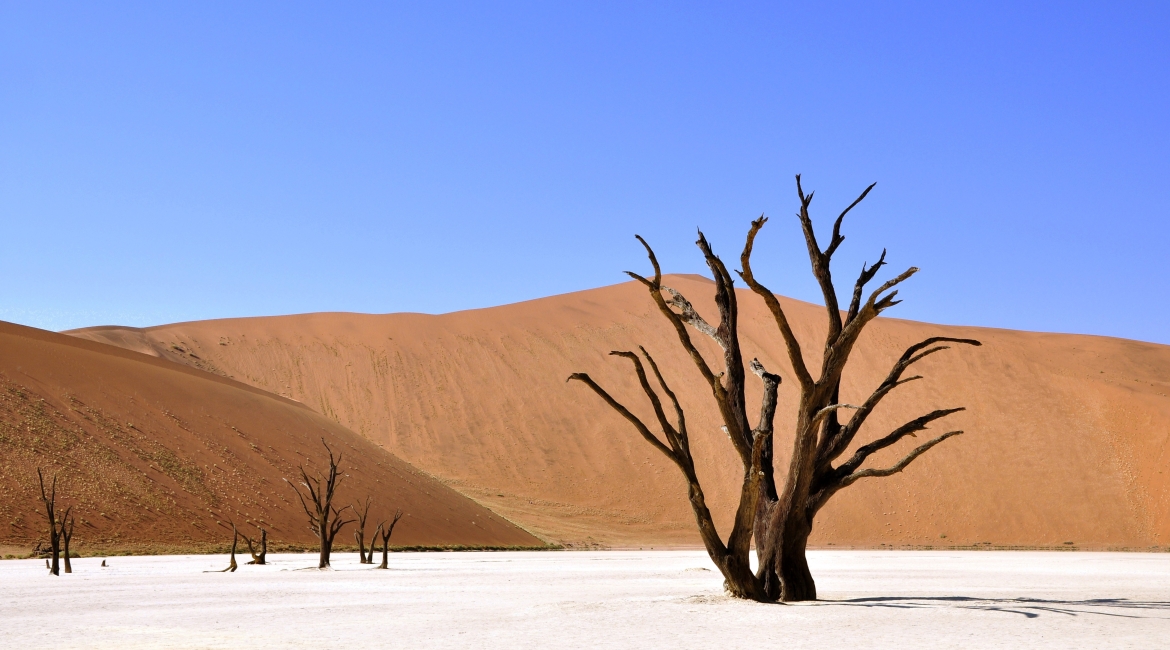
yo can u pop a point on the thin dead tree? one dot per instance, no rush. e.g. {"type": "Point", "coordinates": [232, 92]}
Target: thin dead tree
{"type": "Point", "coordinates": [780, 520]}
{"type": "Point", "coordinates": [324, 520]}
{"type": "Point", "coordinates": [361, 511]}
{"type": "Point", "coordinates": [257, 549]}
{"type": "Point", "coordinates": [384, 532]}
{"type": "Point", "coordinates": [49, 499]}
{"type": "Point", "coordinates": [232, 566]}
{"type": "Point", "coordinates": [67, 536]}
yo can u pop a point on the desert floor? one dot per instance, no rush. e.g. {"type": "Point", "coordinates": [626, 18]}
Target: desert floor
{"type": "Point", "coordinates": [612, 599]}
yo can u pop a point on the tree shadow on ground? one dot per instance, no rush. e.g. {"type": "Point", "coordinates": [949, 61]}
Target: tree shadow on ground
{"type": "Point", "coordinates": [1027, 607]}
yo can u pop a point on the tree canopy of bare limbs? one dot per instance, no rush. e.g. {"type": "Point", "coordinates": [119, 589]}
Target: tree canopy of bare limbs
{"type": "Point", "coordinates": [60, 527]}
{"type": "Point", "coordinates": [324, 520]}
{"type": "Point", "coordinates": [777, 514]}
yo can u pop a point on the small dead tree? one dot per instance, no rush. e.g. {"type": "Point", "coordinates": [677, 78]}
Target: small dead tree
{"type": "Point", "coordinates": [779, 520]}
{"type": "Point", "coordinates": [361, 511]}
{"type": "Point", "coordinates": [324, 520]}
{"type": "Point", "coordinates": [49, 499]}
{"type": "Point", "coordinates": [384, 532]}
{"type": "Point", "coordinates": [66, 537]}
{"type": "Point", "coordinates": [258, 550]}
{"type": "Point", "coordinates": [231, 568]}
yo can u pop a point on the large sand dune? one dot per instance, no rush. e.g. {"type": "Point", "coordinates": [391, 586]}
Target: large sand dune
{"type": "Point", "coordinates": [1067, 436]}
{"type": "Point", "coordinates": [154, 455]}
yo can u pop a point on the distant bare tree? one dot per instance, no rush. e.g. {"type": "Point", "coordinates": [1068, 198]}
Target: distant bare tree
{"type": "Point", "coordinates": [49, 499]}
{"type": "Point", "coordinates": [258, 550]}
{"type": "Point", "coordinates": [324, 520]}
{"type": "Point", "coordinates": [232, 566]}
{"type": "Point", "coordinates": [361, 511]}
{"type": "Point", "coordinates": [385, 533]}
{"type": "Point", "coordinates": [780, 521]}
{"type": "Point", "coordinates": [66, 537]}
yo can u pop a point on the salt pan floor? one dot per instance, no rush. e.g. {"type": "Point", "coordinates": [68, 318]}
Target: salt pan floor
{"type": "Point", "coordinates": [607, 599]}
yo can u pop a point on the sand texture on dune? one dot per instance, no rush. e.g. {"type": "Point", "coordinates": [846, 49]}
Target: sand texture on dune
{"type": "Point", "coordinates": [154, 456]}
{"type": "Point", "coordinates": [1067, 436]}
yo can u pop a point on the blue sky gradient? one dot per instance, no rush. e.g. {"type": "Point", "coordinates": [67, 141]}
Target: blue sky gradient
{"type": "Point", "coordinates": [161, 162]}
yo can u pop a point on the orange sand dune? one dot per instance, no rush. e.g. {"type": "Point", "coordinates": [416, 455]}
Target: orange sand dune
{"type": "Point", "coordinates": [158, 456]}
{"type": "Point", "coordinates": [1066, 435]}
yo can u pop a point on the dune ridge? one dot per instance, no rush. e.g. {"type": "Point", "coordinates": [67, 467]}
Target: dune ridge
{"type": "Point", "coordinates": [158, 456]}
{"type": "Point", "coordinates": [1066, 443]}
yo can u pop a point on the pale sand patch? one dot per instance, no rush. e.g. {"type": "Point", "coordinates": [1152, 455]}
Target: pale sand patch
{"type": "Point", "coordinates": [608, 599]}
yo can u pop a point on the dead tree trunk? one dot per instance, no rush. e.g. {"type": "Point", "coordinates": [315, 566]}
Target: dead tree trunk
{"type": "Point", "coordinates": [231, 568]}
{"type": "Point", "coordinates": [66, 537]}
{"type": "Point", "coordinates": [50, 501]}
{"type": "Point", "coordinates": [781, 521]}
{"type": "Point", "coordinates": [258, 551]}
{"type": "Point", "coordinates": [324, 520]}
{"type": "Point", "coordinates": [359, 535]}
{"type": "Point", "coordinates": [385, 533]}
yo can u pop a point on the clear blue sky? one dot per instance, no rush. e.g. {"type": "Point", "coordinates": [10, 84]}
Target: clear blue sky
{"type": "Point", "coordinates": [178, 161]}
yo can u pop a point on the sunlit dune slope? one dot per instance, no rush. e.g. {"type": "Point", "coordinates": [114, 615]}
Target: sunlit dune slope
{"type": "Point", "coordinates": [1066, 435]}
{"type": "Point", "coordinates": [158, 456]}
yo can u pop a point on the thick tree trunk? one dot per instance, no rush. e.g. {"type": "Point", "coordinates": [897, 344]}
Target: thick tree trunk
{"type": "Point", "coordinates": [796, 580]}
{"type": "Point", "coordinates": [323, 559]}
{"type": "Point", "coordinates": [739, 581]}
{"type": "Point", "coordinates": [325, 538]}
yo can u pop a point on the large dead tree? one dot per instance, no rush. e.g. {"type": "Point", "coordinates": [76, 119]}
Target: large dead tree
{"type": "Point", "coordinates": [384, 532]}
{"type": "Point", "coordinates": [57, 526]}
{"type": "Point", "coordinates": [324, 520]}
{"type": "Point", "coordinates": [779, 516]}
{"type": "Point", "coordinates": [362, 511]}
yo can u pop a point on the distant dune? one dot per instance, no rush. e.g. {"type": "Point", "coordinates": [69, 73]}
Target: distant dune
{"type": "Point", "coordinates": [1067, 436]}
{"type": "Point", "coordinates": [156, 456]}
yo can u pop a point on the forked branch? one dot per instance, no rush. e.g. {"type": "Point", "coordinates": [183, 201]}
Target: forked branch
{"type": "Point", "coordinates": [625, 412]}
{"type": "Point", "coordinates": [900, 465]}
{"type": "Point", "coordinates": [909, 429]}
{"type": "Point", "coordinates": [795, 356]}
{"type": "Point", "coordinates": [831, 448]}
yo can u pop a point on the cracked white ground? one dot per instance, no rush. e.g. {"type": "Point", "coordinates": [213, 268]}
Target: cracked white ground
{"type": "Point", "coordinates": [606, 599]}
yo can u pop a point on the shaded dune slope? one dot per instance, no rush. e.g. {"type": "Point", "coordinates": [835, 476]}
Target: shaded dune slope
{"type": "Point", "coordinates": [158, 456]}
{"type": "Point", "coordinates": [1067, 436]}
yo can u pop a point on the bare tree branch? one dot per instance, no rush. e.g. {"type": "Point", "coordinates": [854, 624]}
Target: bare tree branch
{"type": "Point", "coordinates": [867, 274]}
{"type": "Point", "coordinates": [909, 429]}
{"type": "Point", "coordinates": [900, 465]}
{"type": "Point", "coordinates": [795, 356]}
{"type": "Point", "coordinates": [680, 328]}
{"type": "Point", "coordinates": [625, 412]}
{"type": "Point", "coordinates": [837, 237]}
{"type": "Point", "coordinates": [833, 447]}
{"type": "Point", "coordinates": [684, 445]}
{"type": "Point", "coordinates": [690, 316]}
